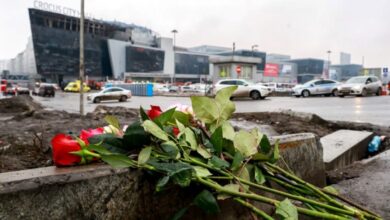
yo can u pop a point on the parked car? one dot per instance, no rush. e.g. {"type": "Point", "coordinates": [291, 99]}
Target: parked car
{"type": "Point", "coordinates": [187, 89]}
{"type": "Point", "coordinates": [22, 90]}
{"type": "Point", "coordinates": [173, 89]}
{"type": "Point", "coordinates": [245, 88]}
{"type": "Point", "coordinates": [76, 86]}
{"type": "Point", "coordinates": [44, 89]}
{"type": "Point", "coordinates": [316, 87]}
{"type": "Point", "coordinates": [112, 93]}
{"type": "Point", "coordinates": [361, 86]}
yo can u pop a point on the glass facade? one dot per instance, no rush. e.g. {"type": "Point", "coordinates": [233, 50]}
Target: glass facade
{"type": "Point", "coordinates": [140, 59]}
{"type": "Point", "coordinates": [249, 53]}
{"type": "Point", "coordinates": [309, 66]}
{"type": "Point", "coordinates": [191, 64]}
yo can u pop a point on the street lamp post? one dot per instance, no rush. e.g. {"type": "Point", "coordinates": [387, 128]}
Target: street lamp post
{"type": "Point", "coordinates": [174, 31]}
{"type": "Point", "coordinates": [329, 52]}
{"type": "Point", "coordinates": [82, 58]}
{"type": "Point", "coordinates": [253, 48]}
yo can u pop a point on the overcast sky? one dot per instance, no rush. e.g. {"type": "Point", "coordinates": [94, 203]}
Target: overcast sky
{"type": "Point", "coordinates": [300, 28]}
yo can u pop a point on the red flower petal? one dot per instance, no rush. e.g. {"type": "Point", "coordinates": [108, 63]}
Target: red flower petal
{"type": "Point", "coordinates": [85, 134]}
{"type": "Point", "coordinates": [61, 146]}
{"type": "Point", "coordinates": [154, 112]}
{"type": "Point", "coordinates": [175, 131]}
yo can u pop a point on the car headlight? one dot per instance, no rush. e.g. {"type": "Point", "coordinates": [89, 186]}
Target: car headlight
{"type": "Point", "coordinates": [357, 87]}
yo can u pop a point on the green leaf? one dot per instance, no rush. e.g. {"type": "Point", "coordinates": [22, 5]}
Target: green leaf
{"type": "Point", "coordinates": [165, 116]}
{"type": "Point", "coordinates": [143, 114]}
{"type": "Point", "coordinates": [117, 160]}
{"type": "Point", "coordinates": [246, 143]}
{"type": "Point", "coordinates": [259, 176]}
{"type": "Point", "coordinates": [181, 117]}
{"type": "Point", "coordinates": [217, 140]}
{"type": "Point", "coordinates": [218, 163]}
{"type": "Point", "coordinates": [135, 136]}
{"type": "Point", "coordinates": [201, 171]}
{"type": "Point", "coordinates": [275, 155]}
{"type": "Point", "coordinates": [230, 187]}
{"type": "Point", "coordinates": [112, 120]}
{"type": "Point", "coordinates": [205, 109]}
{"type": "Point", "coordinates": [206, 201]}
{"type": "Point", "coordinates": [155, 130]}
{"type": "Point", "coordinates": [244, 174]}
{"type": "Point", "coordinates": [331, 189]}
{"type": "Point", "coordinates": [180, 126]}
{"type": "Point", "coordinates": [162, 183]}
{"type": "Point", "coordinates": [99, 149]}
{"type": "Point", "coordinates": [228, 131]}
{"type": "Point", "coordinates": [178, 215]}
{"type": "Point", "coordinates": [237, 161]}
{"type": "Point", "coordinates": [171, 149]}
{"type": "Point", "coordinates": [179, 172]}
{"type": "Point", "coordinates": [203, 152]}
{"type": "Point", "coordinates": [286, 210]}
{"type": "Point", "coordinates": [144, 155]}
{"type": "Point", "coordinates": [110, 142]}
{"type": "Point", "coordinates": [226, 107]}
{"type": "Point", "coordinates": [190, 138]}
{"type": "Point", "coordinates": [265, 145]}
{"type": "Point", "coordinates": [260, 157]}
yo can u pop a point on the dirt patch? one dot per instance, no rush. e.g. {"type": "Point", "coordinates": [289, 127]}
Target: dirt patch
{"type": "Point", "coordinates": [18, 104]}
{"type": "Point", "coordinates": [25, 138]}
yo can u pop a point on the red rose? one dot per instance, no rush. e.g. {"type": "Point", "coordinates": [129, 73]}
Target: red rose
{"type": "Point", "coordinates": [154, 112]}
{"type": "Point", "coordinates": [85, 134]}
{"type": "Point", "coordinates": [62, 146]}
{"type": "Point", "coordinates": [175, 131]}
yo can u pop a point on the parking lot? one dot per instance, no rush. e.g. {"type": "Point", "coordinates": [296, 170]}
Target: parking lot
{"type": "Point", "coordinates": [372, 109]}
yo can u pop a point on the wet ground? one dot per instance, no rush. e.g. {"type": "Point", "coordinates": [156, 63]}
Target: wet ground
{"type": "Point", "coordinates": [373, 109]}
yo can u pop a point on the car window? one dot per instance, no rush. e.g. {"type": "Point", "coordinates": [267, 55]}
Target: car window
{"type": "Point", "coordinates": [230, 82]}
{"type": "Point", "coordinates": [374, 79]}
{"type": "Point", "coordinates": [328, 82]}
{"type": "Point", "coordinates": [318, 83]}
{"type": "Point", "coordinates": [108, 90]}
{"type": "Point", "coordinates": [240, 83]}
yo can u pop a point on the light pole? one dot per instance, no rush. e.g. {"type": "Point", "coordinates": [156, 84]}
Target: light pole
{"type": "Point", "coordinates": [174, 31]}
{"type": "Point", "coordinates": [329, 52]}
{"type": "Point", "coordinates": [253, 48]}
{"type": "Point", "coordinates": [82, 58]}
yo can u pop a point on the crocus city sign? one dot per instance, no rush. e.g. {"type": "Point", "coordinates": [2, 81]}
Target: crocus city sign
{"type": "Point", "coordinates": [59, 9]}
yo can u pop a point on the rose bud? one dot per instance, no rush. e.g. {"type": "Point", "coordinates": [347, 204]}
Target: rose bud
{"type": "Point", "coordinates": [62, 146]}
{"type": "Point", "coordinates": [154, 112]}
{"type": "Point", "coordinates": [85, 134]}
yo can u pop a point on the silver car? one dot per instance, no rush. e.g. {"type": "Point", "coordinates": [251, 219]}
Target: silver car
{"type": "Point", "coordinates": [361, 86]}
{"type": "Point", "coordinates": [316, 87]}
{"type": "Point", "coordinates": [112, 93]}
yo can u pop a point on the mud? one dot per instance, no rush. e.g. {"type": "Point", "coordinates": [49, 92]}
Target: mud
{"type": "Point", "coordinates": [25, 135]}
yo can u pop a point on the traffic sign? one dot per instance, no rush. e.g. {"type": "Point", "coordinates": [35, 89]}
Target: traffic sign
{"type": "Point", "coordinates": [385, 70]}
{"type": "Point", "coordinates": [238, 69]}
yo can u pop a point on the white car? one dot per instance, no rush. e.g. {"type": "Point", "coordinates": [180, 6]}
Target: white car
{"type": "Point", "coordinates": [112, 93]}
{"type": "Point", "coordinates": [361, 86]}
{"type": "Point", "coordinates": [245, 88]}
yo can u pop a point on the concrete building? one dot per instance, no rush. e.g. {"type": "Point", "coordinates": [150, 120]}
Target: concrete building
{"type": "Point", "coordinates": [344, 72]}
{"type": "Point", "coordinates": [274, 57]}
{"type": "Point", "coordinates": [235, 67]}
{"type": "Point", "coordinates": [308, 69]}
{"type": "Point", "coordinates": [209, 49]}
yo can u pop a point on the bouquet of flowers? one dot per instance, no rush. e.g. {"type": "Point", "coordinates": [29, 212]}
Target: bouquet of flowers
{"type": "Point", "coordinates": [198, 145]}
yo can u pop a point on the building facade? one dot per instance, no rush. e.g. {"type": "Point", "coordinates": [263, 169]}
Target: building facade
{"type": "Point", "coordinates": [308, 69]}
{"type": "Point", "coordinates": [344, 72]}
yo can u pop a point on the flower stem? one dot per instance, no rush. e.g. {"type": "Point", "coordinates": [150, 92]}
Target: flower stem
{"type": "Point", "coordinates": [254, 209]}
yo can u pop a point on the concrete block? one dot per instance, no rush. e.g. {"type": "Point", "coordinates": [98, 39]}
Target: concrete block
{"type": "Point", "coordinates": [302, 154]}
{"type": "Point", "coordinates": [248, 125]}
{"type": "Point", "coordinates": [344, 147]}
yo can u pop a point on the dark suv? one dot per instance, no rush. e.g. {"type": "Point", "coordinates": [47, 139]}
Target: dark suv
{"type": "Point", "coordinates": [45, 90]}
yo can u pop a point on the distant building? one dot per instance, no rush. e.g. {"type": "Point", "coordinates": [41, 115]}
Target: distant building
{"type": "Point", "coordinates": [280, 72]}
{"type": "Point", "coordinates": [273, 57]}
{"type": "Point", "coordinates": [345, 58]}
{"type": "Point", "coordinates": [209, 49]}
{"type": "Point", "coordinates": [308, 69]}
{"type": "Point", "coordinates": [248, 53]}
{"type": "Point", "coordinates": [344, 72]}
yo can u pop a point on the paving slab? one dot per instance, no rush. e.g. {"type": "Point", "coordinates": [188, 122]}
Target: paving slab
{"type": "Point", "coordinates": [344, 147]}
{"type": "Point", "coordinates": [249, 125]}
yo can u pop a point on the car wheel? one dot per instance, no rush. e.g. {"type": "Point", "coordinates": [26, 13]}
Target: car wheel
{"type": "Point", "coordinates": [334, 92]}
{"type": "Point", "coordinates": [255, 95]}
{"type": "Point", "coordinates": [364, 92]}
{"type": "Point", "coordinates": [378, 92]}
{"type": "Point", "coordinates": [123, 98]}
{"type": "Point", "coordinates": [305, 93]}
{"type": "Point", "coordinates": [341, 96]}
{"type": "Point", "coordinates": [96, 100]}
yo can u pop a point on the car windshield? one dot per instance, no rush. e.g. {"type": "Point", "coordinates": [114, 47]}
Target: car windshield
{"type": "Point", "coordinates": [357, 80]}
{"type": "Point", "coordinates": [248, 82]}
